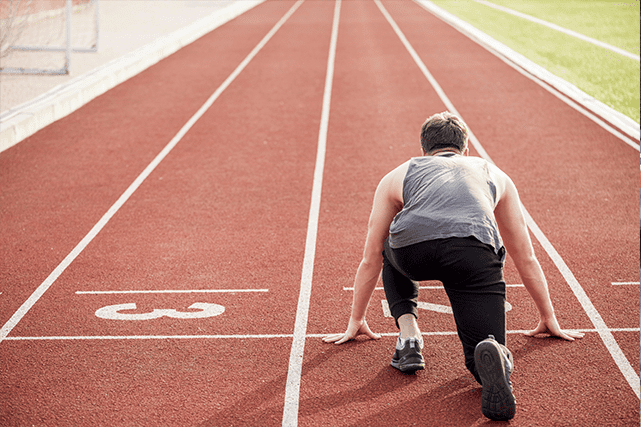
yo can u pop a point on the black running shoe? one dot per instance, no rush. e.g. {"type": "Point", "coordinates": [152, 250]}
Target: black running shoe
{"type": "Point", "coordinates": [494, 365]}
{"type": "Point", "coordinates": [408, 357]}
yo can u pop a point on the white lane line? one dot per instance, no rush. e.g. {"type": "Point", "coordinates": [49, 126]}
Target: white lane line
{"type": "Point", "coordinates": [624, 283]}
{"type": "Point", "coordinates": [292, 390]}
{"type": "Point", "coordinates": [249, 336]}
{"type": "Point", "coordinates": [148, 337]}
{"type": "Point", "coordinates": [167, 291]}
{"type": "Point", "coordinates": [561, 29]}
{"type": "Point", "coordinates": [608, 339]}
{"type": "Point", "coordinates": [380, 288]}
{"type": "Point", "coordinates": [35, 296]}
{"type": "Point", "coordinates": [510, 332]}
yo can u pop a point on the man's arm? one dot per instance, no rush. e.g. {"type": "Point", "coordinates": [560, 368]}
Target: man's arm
{"type": "Point", "coordinates": [516, 238]}
{"type": "Point", "coordinates": [387, 203]}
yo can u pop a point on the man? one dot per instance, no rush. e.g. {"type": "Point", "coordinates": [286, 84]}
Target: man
{"type": "Point", "coordinates": [449, 217]}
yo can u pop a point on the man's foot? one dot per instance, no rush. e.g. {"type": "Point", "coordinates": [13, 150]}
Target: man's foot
{"type": "Point", "coordinates": [408, 357]}
{"type": "Point", "coordinates": [494, 365]}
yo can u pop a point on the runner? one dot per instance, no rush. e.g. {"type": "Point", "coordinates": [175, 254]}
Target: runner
{"type": "Point", "coordinates": [449, 217]}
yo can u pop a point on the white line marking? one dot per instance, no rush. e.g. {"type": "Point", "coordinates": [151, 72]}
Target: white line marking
{"type": "Point", "coordinates": [624, 283]}
{"type": "Point", "coordinates": [386, 310]}
{"type": "Point", "coordinates": [35, 296]}
{"type": "Point", "coordinates": [608, 339]}
{"type": "Point", "coordinates": [292, 390]}
{"type": "Point", "coordinates": [511, 332]}
{"type": "Point", "coordinates": [439, 308]}
{"type": "Point", "coordinates": [148, 337]}
{"type": "Point", "coordinates": [380, 288]}
{"type": "Point", "coordinates": [561, 29]}
{"type": "Point", "coordinates": [177, 291]}
{"type": "Point", "coordinates": [241, 337]}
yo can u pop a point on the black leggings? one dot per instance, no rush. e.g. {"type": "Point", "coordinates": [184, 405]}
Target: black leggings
{"type": "Point", "coordinates": [472, 275]}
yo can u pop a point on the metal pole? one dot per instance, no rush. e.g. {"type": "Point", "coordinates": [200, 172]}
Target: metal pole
{"type": "Point", "coordinates": [97, 25]}
{"type": "Point", "coordinates": [68, 46]}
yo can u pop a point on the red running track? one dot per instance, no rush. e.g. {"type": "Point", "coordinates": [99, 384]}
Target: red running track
{"type": "Point", "coordinates": [227, 209]}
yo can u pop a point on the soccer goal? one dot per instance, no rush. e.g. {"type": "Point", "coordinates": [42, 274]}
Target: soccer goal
{"type": "Point", "coordinates": [38, 36]}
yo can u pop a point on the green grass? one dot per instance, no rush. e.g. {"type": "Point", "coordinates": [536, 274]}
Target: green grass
{"type": "Point", "coordinates": [607, 76]}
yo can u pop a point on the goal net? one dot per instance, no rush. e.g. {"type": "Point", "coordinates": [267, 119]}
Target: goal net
{"type": "Point", "coordinates": [38, 36]}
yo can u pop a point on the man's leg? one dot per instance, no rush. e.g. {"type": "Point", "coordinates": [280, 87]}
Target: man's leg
{"type": "Point", "coordinates": [472, 274]}
{"type": "Point", "coordinates": [402, 297]}
{"type": "Point", "coordinates": [473, 280]}
{"type": "Point", "coordinates": [408, 326]}
{"type": "Point", "coordinates": [477, 316]}
{"type": "Point", "coordinates": [401, 291]}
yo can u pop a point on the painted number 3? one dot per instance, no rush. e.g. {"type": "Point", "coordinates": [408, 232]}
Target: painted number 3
{"type": "Point", "coordinates": [114, 312]}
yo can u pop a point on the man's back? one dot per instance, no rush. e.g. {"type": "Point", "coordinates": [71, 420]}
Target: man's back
{"type": "Point", "coordinates": [447, 196]}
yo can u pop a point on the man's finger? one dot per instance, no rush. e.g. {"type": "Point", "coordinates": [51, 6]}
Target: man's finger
{"type": "Point", "coordinates": [344, 339]}
{"type": "Point", "coordinates": [535, 332]}
{"type": "Point", "coordinates": [574, 334]}
{"type": "Point", "coordinates": [332, 338]}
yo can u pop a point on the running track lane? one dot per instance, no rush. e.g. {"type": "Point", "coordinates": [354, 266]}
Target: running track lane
{"type": "Point", "coordinates": [584, 196]}
{"type": "Point", "coordinates": [564, 166]}
{"type": "Point", "coordinates": [59, 182]}
{"type": "Point", "coordinates": [210, 216]}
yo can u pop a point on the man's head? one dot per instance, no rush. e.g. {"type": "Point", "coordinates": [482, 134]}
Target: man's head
{"type": "Point", "coordinates": [443, 131]}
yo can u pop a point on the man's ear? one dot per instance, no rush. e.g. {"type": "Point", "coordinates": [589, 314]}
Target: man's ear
{"type": "Point", "coordinates": [466, 152]}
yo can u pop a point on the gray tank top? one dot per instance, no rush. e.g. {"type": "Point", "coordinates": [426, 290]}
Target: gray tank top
{"type": "Point", "coordinates": [446, 196]}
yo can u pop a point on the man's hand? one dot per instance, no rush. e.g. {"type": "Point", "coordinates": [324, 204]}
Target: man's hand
{"type": "Point", "coordinates": [354, 329]}
{"type": "Point", "coordinates": [551, 327]}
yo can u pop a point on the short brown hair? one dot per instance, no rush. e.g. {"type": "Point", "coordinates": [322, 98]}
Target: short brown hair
{"type": "Point", "coordinates": [444, 130]}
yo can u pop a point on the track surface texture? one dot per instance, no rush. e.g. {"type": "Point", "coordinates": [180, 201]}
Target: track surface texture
{"type": "Point", "coordinates": [223, 221]}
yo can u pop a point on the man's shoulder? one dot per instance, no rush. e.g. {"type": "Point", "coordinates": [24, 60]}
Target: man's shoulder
{"type": "Point", "coordinates": [402, 168]}
{"type": "Point", "coordinates": [391, 185]}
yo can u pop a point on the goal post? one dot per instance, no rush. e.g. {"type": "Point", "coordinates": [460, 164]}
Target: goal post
{"type": "Point", "coordinates": [38, 36]}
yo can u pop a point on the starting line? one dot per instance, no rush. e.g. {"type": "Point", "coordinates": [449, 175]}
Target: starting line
{"type": "Point", "coordinates": [262, 336]}
{"type": "Point", "coordinates": [168, 291]}
{"type": "Point", "coordinates": [380, 288]}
